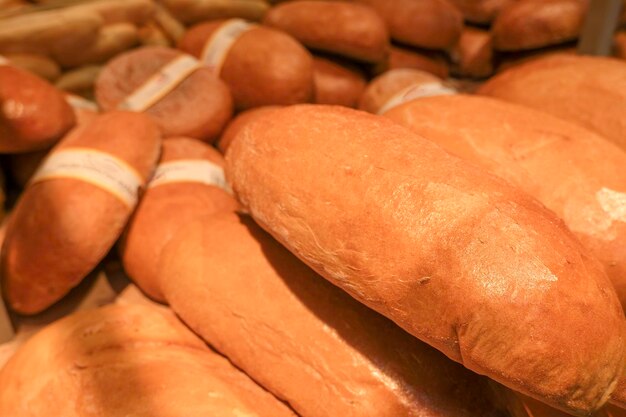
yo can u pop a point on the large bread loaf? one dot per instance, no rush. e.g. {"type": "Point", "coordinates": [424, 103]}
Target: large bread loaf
{"type": "Point", "coordinates": [307, 341]}
{"type": "Point", "coordinates": [126, 360]}
{"type": "Point", "coordinates": [454, 255]}
{"type": "Point", "coordinates": [590, 91]}
{"type": "Point", "coordinates": [188, 182]}
{"type": "Point", "coordinates": [577, 174]}
{"type": "Point", "coordinates": [75, 208]}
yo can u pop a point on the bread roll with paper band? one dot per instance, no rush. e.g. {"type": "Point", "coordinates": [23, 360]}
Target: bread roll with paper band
{"type": "Point", "coordinates": [454, 255]}
{"type": "Point", "coordinates": [308, 342]}
{"type": "Point", "coordinates": [260, 65]}
{"type": "Point", "coordinates": [390, 88]}
{"type": "Point", "coordinates": [430, 24]}
{"type": "Point", "coordinates": [238, 123]}
{"type": "Point", "coordinates": [33, 115]}
{"type": "Point", "coordinates": [175, 106]}
{"type": "Point", "coordinates": [473, 55]}
{"type": "Point", "coordinates": [433, 62]}
{"type": "Point", "coordinates": [124, 360]}
{"type": "Point", "coordinates": [576, 173]}
{"type": "Point", "coordinates": [188, 182]}
{"type": "Point", "coordinates": [195, 11]}
{"type": "Point", "coordinates": [336, 83]}
{"type": "Point", "coordinates": [589, 91]}
{"type": "Point", "coordinates": [530, 24]}
{"type": "Point", "coordinates": [40, 65]}
{"type": "Point", "coordinates": [481, 11]}
{"type": "Point", "coordinates": [347, 29]}
{"type": "Point", "coordinates": [76, 207]}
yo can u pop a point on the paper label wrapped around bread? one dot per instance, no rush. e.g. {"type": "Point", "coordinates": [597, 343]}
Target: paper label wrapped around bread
{"type": "Point", "coordinates": [78, 102]}
{"type": "Point", "coordinates": [416, 91]}
{"type": "Point", "coordinates": [160, 84]}
{"type": "Point", "coordinates": [94, 167]}
{"type": "Point", "coordinates": [218, 45]}
{"type": "Point", "coordinates": [190, 170]}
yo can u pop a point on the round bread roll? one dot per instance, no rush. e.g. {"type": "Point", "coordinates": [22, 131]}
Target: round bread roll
{"type": "Point", "coordinates": [33, 115]}
{"type": "Point", "coordinates": [431, 24]}
{"type": "Point", "coordinates": [198, 107]}
{"type": "Point", "coordinates": [336, 83]}
{"type": "Point", "coordinates": [74, 210]}
{"type": "Point", "coordinates": [188, 182]}
{"type": "Point", "coordinates": [352, 30]}
{"type": "Point", "coordinates": [238, 123]}
{"type": "Point", "coordinates": [530, 24]}
{"type": "Point", "coordinates": [433, 62]}
{"type": "Point", "coordinates": [480, 11]}
{"type": "Point", "coordinates": [262, 67]}
{"type": "Point", "coordinates": [40, 65]}
{"type": "Point", "coordinates": [473, 55]}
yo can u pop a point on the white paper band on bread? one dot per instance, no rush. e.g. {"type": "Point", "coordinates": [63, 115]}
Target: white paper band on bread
{"type": "Point", "coordinates": [613, 203]}
{"type": "Point", "coordinates": [78, 102]}
{"type": "Point", "coordinates": [160, 84]}
{"type": "Point", "coordinates": [95, 167]}
{"type": "Point", "coordinates": [218, 45]}
{"type": "Point", "coordinates": [416, 91]}
{"type": "Point", "coordinates": [190, 170]}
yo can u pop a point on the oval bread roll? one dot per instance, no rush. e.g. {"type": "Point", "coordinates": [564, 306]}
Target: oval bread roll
{"type": "Point", "coordinates": [69, 221]}
{"type": "Point", "coordinates": [351, 30]}
{"type": "Point", "coordinates": [589, 91]}
{"type": "Point", "coordinates": [454, 255]}
{"type": "Point", "coordinates": [126, 360]}
{"type": "Point", "coordinates": [401, 57]}
{"type": "Point", "coordinates": [198, 107]}
{"type": "Point", "coordinates": [577, 174]}
{"type": "Point", "coordinates": [34, 114]}
{"type": "Point", "coordinates": [481, 11]}
{"type": "Point", "coordinates": [431, 24]}
{"type": "Point", "coordinates": [308, 342]}
{"type": "Point", "coordinates": [167, 207]}
{"type": "Point", "coordinates": [530, 24]}
{"type": "Point", "coordinates": [241, 120]}
{"type": "Point", "coordinates": [473, 55]}
{"type": "Point", "coordinates": [336, 83]}
{"type": "Point", "coordinates": [263, 66]}
{"type": "Point", "coordinates": [194, 11]}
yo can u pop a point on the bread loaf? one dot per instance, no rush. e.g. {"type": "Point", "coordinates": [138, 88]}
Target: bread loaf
{"type": "Point", "coordinates": [194, 11]}
{"type": "Point", "coordinates": [348, 29]}
{"type": "Point", "coordinates": [238, 123]}
{"type": "Point", "coordinates": [39, 65]}
{"type": "Point", "coordinates": [401, 57]}
{"type": "Point", "coordinates": [590, 91]}
{"type": "Point", "coordinates": [336, 83]}
{"type": "Point", "coordinates": [188, 182]}
{"type": "Point", "coordinates": [34, 114]}
{"type": "Point", "coordinates": [473, 55]}
{"type": "Point", "coordinates": [198, 106]}
{"type": "Point", "coordinates": [126, 360]}
{"type": "Point", "coordinates": [529, 24]}
{"type": "Point", "coordinates": [261, 66]}
{"type": "Point", "coordinates": [75, 208]}
{"type": "Point", "coordinates": [307, 342]}
{"type": "Point", "coordinates": [481, 11]}
{"type": "Point", "coordinates": [577, 174]}
{"type": "Point", "coordinates": [454, 255]}
{"type": "Point", "coordinates": [136, 12]}
{"type": "Point", "coordinates": [432, 24]}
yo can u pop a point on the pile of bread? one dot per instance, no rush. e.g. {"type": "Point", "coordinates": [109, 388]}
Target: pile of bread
{"type": "Point", "coordinates": [429, 253]}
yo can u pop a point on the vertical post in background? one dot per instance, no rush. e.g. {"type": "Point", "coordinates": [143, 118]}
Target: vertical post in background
{"type": "Point", "coordinates": [599, 26]}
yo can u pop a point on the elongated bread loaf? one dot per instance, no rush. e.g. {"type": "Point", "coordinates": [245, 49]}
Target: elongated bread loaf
{"type": "Point", "coordinates": [455, 256]}
{"type": "Point", "coordinates": [481, 11]}
{"type": "Point", "coordinates": [336, 83]}
{"type": "Point", "coordinates": [194, 11]}
{"type": "Point", "coordinates": [76, 207]}
{"type": "Point", "coordinates": [199, 106]}
{"type": "Point", "coordinates": [577, 174]}
{"type": "Point", "coordinates": [33, 115]}
{"type": "Point", "coordinates": [238, 123]}
{"type": "Point", "coordinates": [188, 182]}
{"type": "Point", "coordinates": [473, 55]}
{"type": "Point", "coordinates": [590, 91]}
{"type": "Point", "coordinates": [307, 342]}
{"type": "Point", "coordinates": [433, 62]}
{"type": "Point", "coordinates": [353, 30]}
{"type": "Point", "coordinates": [126, 360]}
{"type": "Point", "coordinates": [262, 66]}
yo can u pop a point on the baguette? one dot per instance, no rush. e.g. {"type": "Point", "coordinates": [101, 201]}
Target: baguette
{"type": "Point", "coordinates": [198, 107]}
{"type": "Point", "coordinates": [168, 23]}
{"type": "Point", "coordinates": [189, 181]}
{"type": "Point", "coordinates": [577, 174]}
{"type": "Point", "coordinates": [589, 91]}
{"type": "Point", "coordinates": [40, 65]}
{"type": "Point", "coordinates": [401, 57]}
{"type": "Point", "coordinates": [238, 123]}
{"type": "Point", "coordinates": [336, 83]}
{"type": "Point", "coordinates": [194, 11]}
{"type": "Point", "coordinates": [125, 360]}
{"type": "Point", "coordinates": [76, 208]}
{"type": "Point", "coordinates": [34, 114]}
{"type": "Point", "coordinates": [481, 11]}
{"type": "Point", "coordinates": [136, 12]}
{"type": "Point", "coordinates": [307, 342]}
{"type": "Point", "coordinates": [452, 254]}
{"type": "Point", "coordinates": [348, 29]}
{"type": "Point", "coordinates": [431, 24]}
{"type": "Point", "coordinates": [262, 66]}
{"type": "Point", "coordinates": [473, 55]}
